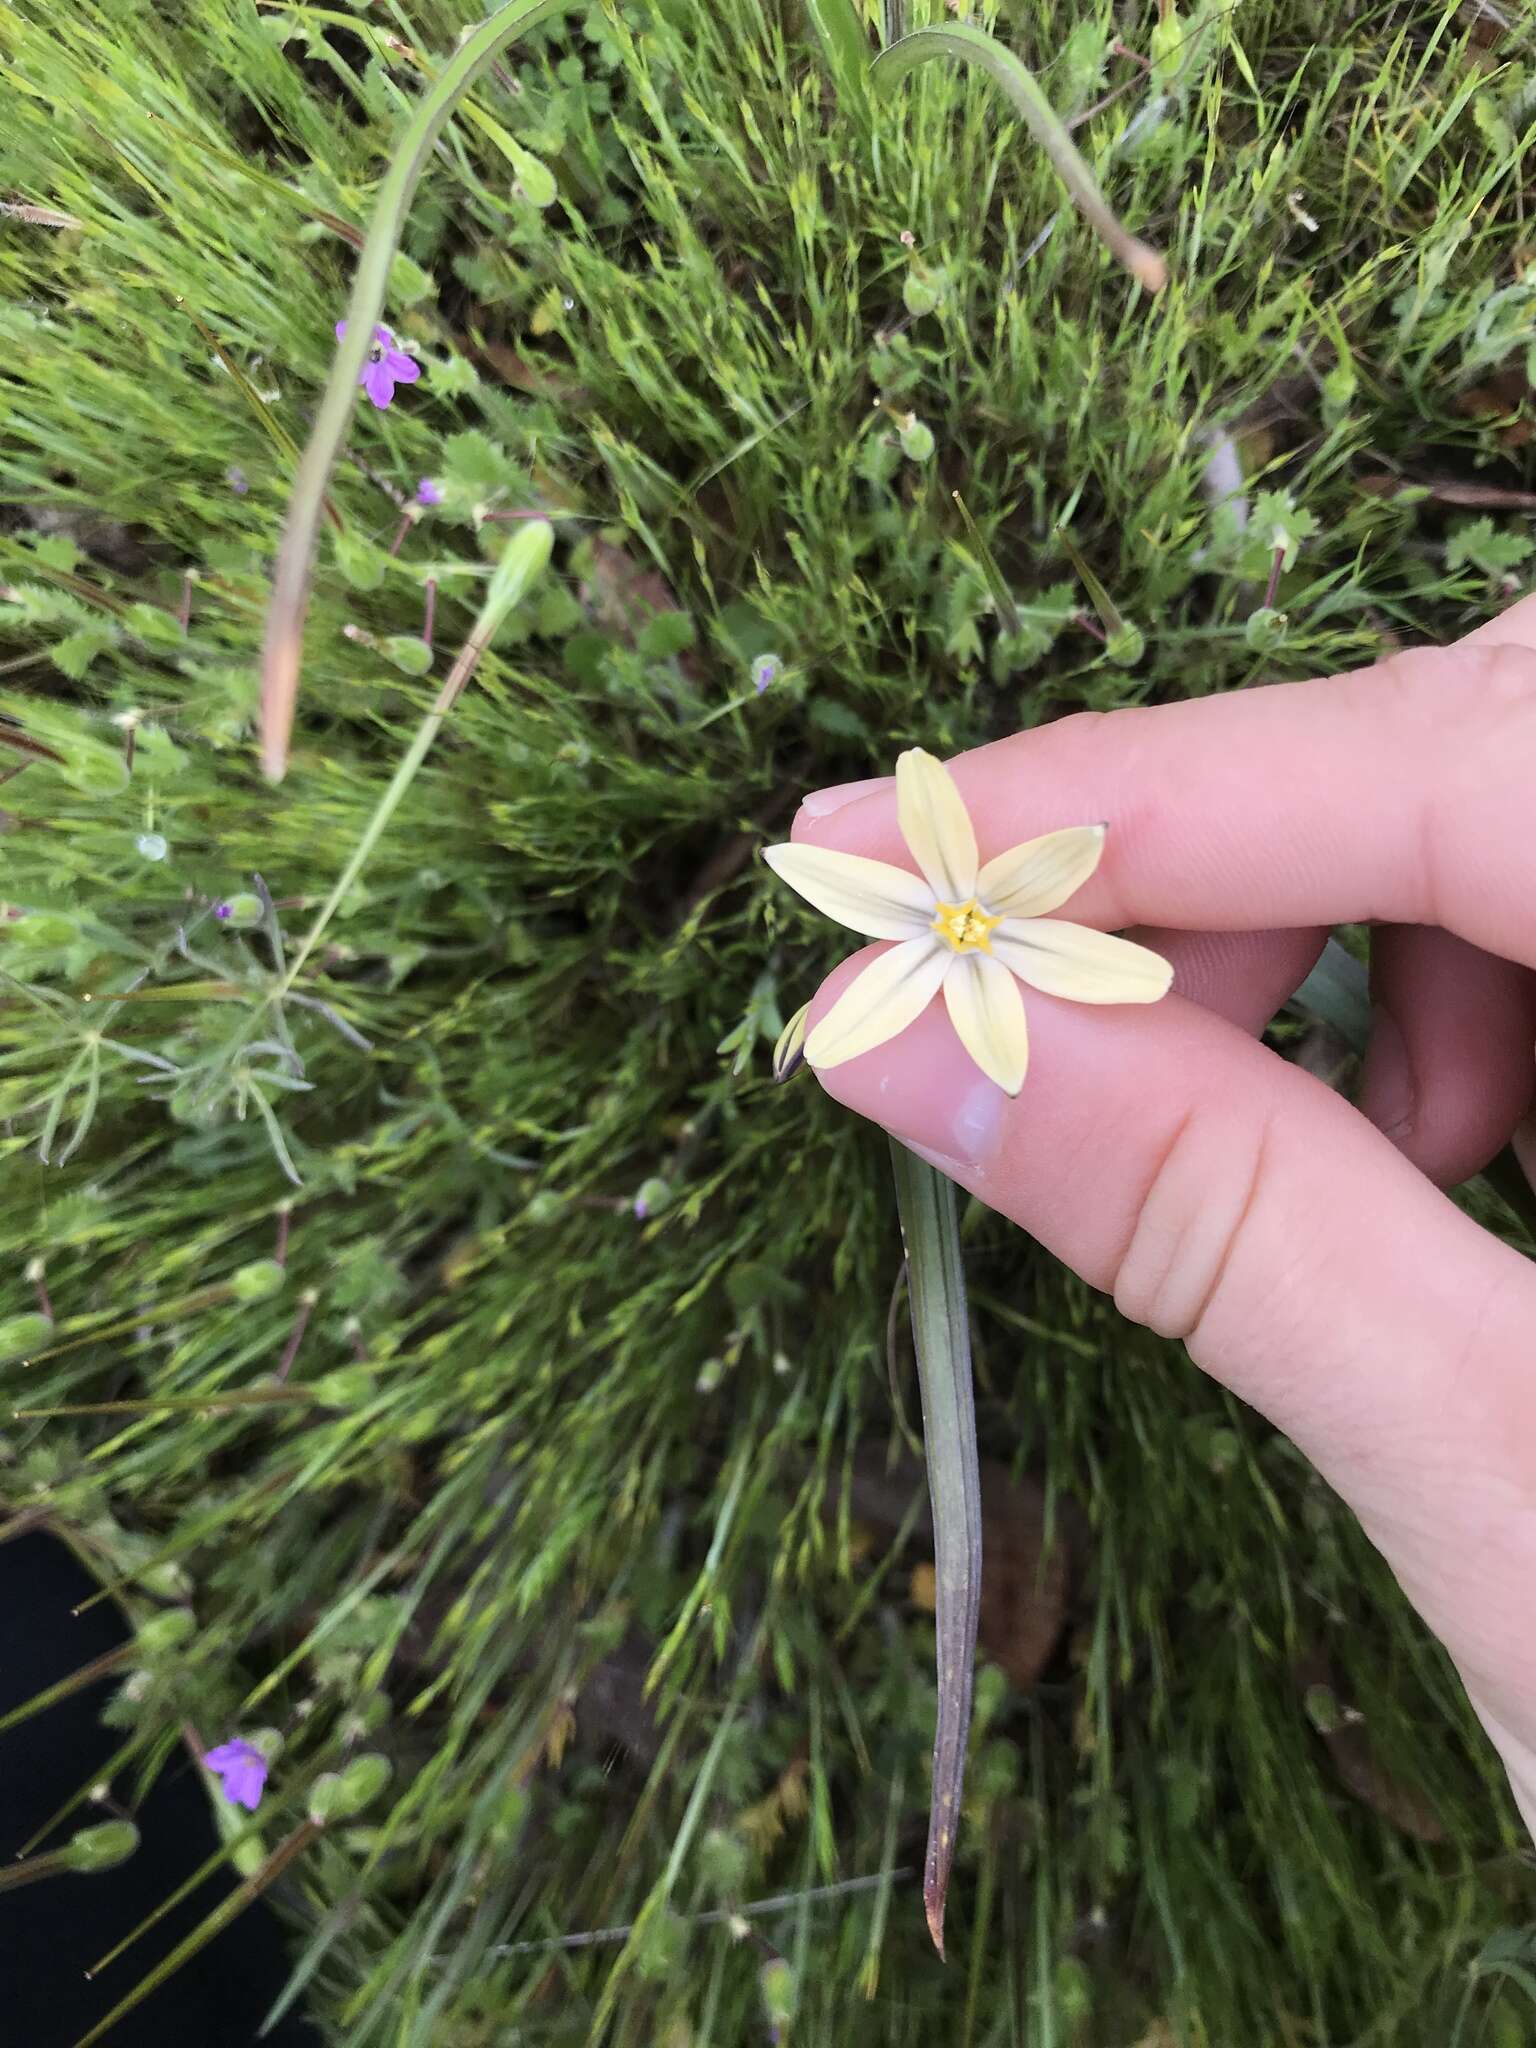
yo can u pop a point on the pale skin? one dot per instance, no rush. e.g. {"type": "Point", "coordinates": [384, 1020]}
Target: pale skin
{"type": "Point", "coordinates": [1302, 1248]}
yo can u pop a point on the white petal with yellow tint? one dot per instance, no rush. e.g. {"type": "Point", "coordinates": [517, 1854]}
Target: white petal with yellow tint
{"type": "Point", "coordinates": [936, 826]}
{"type": "Point", "coordinates": [868, 896]}
{"type": "Point", "coordinates": [878, 1003]}
{"type": "Point", "coordinates": [1085, 966]}
{"type": "Point", "coordinates": [789, 1051]}
{"type": "Point", "coordinates": [987, 1012]}
{"type": "Point", "coordinates": [1039, 875]}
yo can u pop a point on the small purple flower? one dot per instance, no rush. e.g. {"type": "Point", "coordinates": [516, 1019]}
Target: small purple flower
{"type": "Point", "coordinates": [243, 1771]}
{"type": "Point", "coordinates": [386, 365]}
{"type": "Point", "coordinates": [429, 493]}
{"type": "Point", "coordinates": [766, 669]}
{"type": "Point", "coordinates": [642, 1208]}
{"type": "Point", "coordinates": [237, 480]}
{"type": "Point", "coordinates": [221, 909]}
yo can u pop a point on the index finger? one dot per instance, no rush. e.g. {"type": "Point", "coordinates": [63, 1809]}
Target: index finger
{"type": "Point", "coordinates": [1402, 793]}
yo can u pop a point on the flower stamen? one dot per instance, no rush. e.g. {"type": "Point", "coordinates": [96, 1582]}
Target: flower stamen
{"type": "Point", "coordinates": [965, 926]}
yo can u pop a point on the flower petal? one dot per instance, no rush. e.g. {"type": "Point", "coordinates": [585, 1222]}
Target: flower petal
{"type": "Point", "coordinates": [403, 368]}
{"type": "Point", "coordinates": [881, 1001]}
{"type": "Point", "coordinates": [868, 896]}
{"type": "Point", "coordinates": [789, 1052]}
{"type": "Point", "coordinates": [936, 826]}
{"type": "Point", "coordinates": [244, 1786]}
{"type": "Point", "coordinates": [341, 329]}
{"type": "Point", "coordinates": [379, 383]}
{"type": "Point", "coordinates": [987, 1012]}
{"type": "Point", "coordinates": [1040, 874]}
{"type": "Point", "coordinates": [1085, 966]}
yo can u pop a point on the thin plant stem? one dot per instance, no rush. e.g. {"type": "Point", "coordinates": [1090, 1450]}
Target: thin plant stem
{"type": "Point", "coordinates": [524, 559]}
{"type": "Point", "coordinates": [283, 646]}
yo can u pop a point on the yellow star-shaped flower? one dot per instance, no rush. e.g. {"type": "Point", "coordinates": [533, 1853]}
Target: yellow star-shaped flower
{"type": "Point", "coordinates": [974, 931]}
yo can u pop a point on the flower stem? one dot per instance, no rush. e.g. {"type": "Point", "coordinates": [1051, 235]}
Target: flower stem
{"type": "Point", "coordinates": [525, 559]}
{"type": "Point", "coordinates": [930, 1230]}
{"type": "Point", "coordinates": [283, 646]}
{"type": "Point", "coordinates": [215, 1922]}
{"type": "Point", "coordinates": [964, 44]}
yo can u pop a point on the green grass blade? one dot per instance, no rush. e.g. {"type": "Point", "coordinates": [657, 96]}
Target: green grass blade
{"type": "Point", "coordinates": [283, 645]}
{"type": "Point", "coordinates": [973, 46]}
{"type": "Point", "coordinates": [1506, 1177]}
{"type": "Point", "coordinates": [247, 1831]}
{"type": "Point", "coordinates": [941, 1337]}
{"type": "Point", "coordinates": [77, 1681]}
{"type": "Point", "coordinates": [1110, 617]}
{"type": "Point", "coordinates": [1337, 991]}
{"type": "Point", "coordinates": [845, 47]}
{"type": "Point", "coordinates": [522, 563]}
{"type": "Point", "coordinates": [1002, 596]}
{"type": "Point", "coordinates": [214, 1923]}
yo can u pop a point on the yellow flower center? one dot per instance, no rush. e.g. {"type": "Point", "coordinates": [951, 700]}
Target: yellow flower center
{"type": "Point", "coordinates": [965, 926]}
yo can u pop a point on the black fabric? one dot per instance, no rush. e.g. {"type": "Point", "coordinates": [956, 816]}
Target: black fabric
{"type": "Point", "coordinates": [50, 1932]}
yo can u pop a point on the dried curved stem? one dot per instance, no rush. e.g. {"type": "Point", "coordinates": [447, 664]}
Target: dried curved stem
{"type": "Point", "coordinates": [284, 641]}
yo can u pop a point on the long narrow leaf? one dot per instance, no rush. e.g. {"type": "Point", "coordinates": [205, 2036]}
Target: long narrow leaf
{"type": "Point", "coordinates": [523, 561]}
{"type": "Point", "coordinates": [930, 1229]}
{"type": "Point", "coordinates": [1337, 992]}
{"type": "Point", "coordinates": [967, 45]}
{"type": "Point", "coordinates": [283, 646]}
{"type": "Point", "coordinates": [845, 48]}
{"type": "Point", "coordinates": [214, 1923]}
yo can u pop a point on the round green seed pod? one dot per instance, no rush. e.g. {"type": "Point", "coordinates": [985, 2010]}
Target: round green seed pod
{"type": "Point", "coordinates": [258, 1281]}
{"type": "Point", "coordinates": [20, 1335]}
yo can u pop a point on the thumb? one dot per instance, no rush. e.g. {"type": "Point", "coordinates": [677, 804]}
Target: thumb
{"type": "Point", "coordinates": [1225, 1197]}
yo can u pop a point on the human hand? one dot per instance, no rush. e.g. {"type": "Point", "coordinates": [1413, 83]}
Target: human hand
{"type": "Point", "coordinates": [1301, 1248]}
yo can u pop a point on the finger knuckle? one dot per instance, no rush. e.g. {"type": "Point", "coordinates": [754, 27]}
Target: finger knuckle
{"type": "Point", "coordinates": [1472, 711]}
{"type": "Point", "coordinates": [1472, 682]}
{"type": "Point", "coordinates": [1189, 1223]}
{"type": "Point", "coordinates": [1504, 679]}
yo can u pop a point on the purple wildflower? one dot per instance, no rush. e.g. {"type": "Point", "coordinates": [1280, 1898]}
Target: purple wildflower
{"type": "Point", "coordinates": [386, 365]}
{"type": "Point", "coordinates": [237, 480]}
{"type": "Point", "coordinates": [429, 493]}
{"type": "Point", "coordinates": [243, 1771]}
{"type": "Point", "coordinates": [642, 1208]}
{"type": "Point", "coordinates": [221, 909]}
{"type": "Point", "coordinates": [766, 669]}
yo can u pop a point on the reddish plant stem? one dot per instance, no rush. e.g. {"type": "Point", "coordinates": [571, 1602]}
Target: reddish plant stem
{"type": "Point", "coordinates": [296, 1336]}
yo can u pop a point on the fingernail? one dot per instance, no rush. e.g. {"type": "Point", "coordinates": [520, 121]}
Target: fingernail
{"type": "Point", "coordinates": [952, 1169]}
{"type": "Point", "coordinates": [821, 803]}
{"type": "Point", "coordinates": [1387, 1092]}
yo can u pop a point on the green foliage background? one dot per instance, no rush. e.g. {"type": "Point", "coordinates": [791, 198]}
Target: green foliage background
{"type": "Point", "coordinates": [557, 1453]}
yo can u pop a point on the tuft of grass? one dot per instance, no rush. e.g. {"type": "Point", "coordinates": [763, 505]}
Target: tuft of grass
{"type": "Point", "coordinates": [577, 1526]}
